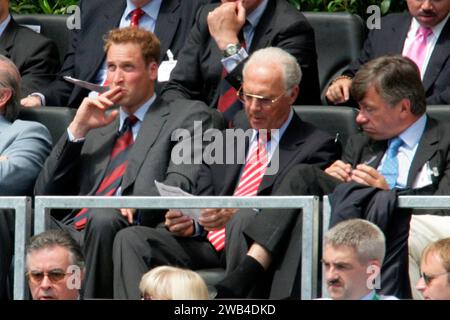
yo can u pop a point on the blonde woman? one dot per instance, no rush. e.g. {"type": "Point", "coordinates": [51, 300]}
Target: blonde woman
{"type": "Point", "coordinates": [171, 283]}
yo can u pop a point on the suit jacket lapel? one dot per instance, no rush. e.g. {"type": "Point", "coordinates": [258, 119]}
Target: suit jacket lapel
{"type": "Point", "coordinates": [8, 38]}
{"type": "Point", "coordinates": [105, 137]}
{"type": "Point", "coordinates": [438, 58]}
{"type": "Point", "coordinates": [425, 150]}
{"type": "Point", "coordinates": [399, 31]}
{"type": "Point", "coordinates": [264, 27]}
{"type": "Point", "coordinates": [373, 149]}
{"type": "Point", "coordinates": [150, 129]}
{"type": "Point", "coordinates": [167, 24]}
{"type": "Point", "coordinates": [288, 147]}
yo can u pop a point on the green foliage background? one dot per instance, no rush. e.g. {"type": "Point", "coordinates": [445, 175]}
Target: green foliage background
{"type": "Point", "coordinates": [353, 6]}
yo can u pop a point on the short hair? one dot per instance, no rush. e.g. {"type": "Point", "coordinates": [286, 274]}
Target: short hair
{"type": "Point", "coordinates": [292, 73]}
{"type": "Point", "coordinates": [363, 236]}
{"type": "Point", "coordinates": [173, 283]}
{"type": "Point", "coordinates": [10, 78]}
{"type": "Point", "coordinates": [395, 78]}
{"type": "Point", "coordinates": [442, 249]}
{"type": "Point", "coordinates": [149, 43]}
{"type": "Point", "coordinates": [57, 238]}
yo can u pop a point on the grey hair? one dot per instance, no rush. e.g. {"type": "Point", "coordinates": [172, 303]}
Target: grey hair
{"type": "Point", "coordinates": [57, 238]}
{"type": "Point", "coordinates": [363, 236]}
{"type": "Point", "coordinates": [292, 73]}
{"type": "Point", "coordinates": [10, 79]}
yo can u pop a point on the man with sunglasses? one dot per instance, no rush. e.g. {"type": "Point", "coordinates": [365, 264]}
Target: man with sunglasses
{"type": "Point", "coordinates": [55, 266]}
{"type": "Point", "coordinates": [434, 283]}
{"type": "Point", "coordinates": [270, 87]}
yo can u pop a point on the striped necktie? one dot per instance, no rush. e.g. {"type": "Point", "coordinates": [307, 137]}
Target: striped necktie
{"type": "Point", "coordinates": [248, 185]}
{"type": "Point", "coordinates": [116, 168]}
{"type": "Point", "coordinates": [389, 170]}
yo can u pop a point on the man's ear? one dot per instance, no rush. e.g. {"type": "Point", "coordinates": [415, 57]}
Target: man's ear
{"type": "Point", "coordinates": [294, 93]}
{"type": "Point", "coordinates": [405, 107]}
{"type": "Point", "coordinates": [152, 69]}
{"type": "Point", "coordinates": [5, 96]}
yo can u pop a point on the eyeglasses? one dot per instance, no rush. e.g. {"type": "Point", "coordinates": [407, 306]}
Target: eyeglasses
{"type": "Point", "coordinates": [262, 101]}
{"type": "Point", "coordinates": [53, 275]}
{"type": "Point", "coordinates": [427, 278]}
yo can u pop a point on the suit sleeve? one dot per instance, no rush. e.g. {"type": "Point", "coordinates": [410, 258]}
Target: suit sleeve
{"type": "Point", "coordinates": [60, 174]}
{"type": "Point", "coordinates": [23, 159]}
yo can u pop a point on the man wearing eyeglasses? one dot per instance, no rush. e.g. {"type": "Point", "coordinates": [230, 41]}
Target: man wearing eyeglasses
{"type": "Point", "coordinates": [55, 266]}
{"type": "Point", "coordinates": [269, 88]}
{"type": "Point", "coordinates": [434, 283]}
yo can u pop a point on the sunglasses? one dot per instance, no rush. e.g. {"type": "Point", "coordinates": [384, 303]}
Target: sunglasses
{"type": "Point", "coordinates": [427, 278]}
{"type": "Point", "coordinates": [53, 275]}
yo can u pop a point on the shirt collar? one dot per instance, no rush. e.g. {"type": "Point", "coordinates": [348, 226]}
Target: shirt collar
{"type": "Point", "coordinates": [254, 17]}
{"type": "Point", "coordinates": [151, 9]}
{"type": "Point", "coordinates": [276, 135]}
{"type": "Point", "coordinates": [412, 135]}
{"type": "Point", "coordinates": [437, 29]}
{"type": "Point", "coordinates": [370, 296]}
{"type": "Point", "coordinates": [4, 24]}
{"type": "Point", "coordinates": [140, 112]}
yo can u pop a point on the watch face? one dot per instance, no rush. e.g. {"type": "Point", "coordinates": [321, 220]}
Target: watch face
{"type": "Point", "coordinates": [231, 49]}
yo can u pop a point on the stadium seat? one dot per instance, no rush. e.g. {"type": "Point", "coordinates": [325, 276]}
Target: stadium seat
{"type": "Point", "coordinates": [337, 121]}
{"type": "Point", "coordinates": [339, 39]}
{"type": "Point", "coordinates": [52, 26]}
{"type": "Point", "coordinates": [439, 112]}
{"type": "Point", "coordinates": [56, 119]}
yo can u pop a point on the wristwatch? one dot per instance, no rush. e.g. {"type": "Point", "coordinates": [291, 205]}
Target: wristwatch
{"type": "Point", "coordinates": [231, 49]}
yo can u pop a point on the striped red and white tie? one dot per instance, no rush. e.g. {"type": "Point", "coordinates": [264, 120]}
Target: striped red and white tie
{"type": "Point", "coordinates": [248, 185]}
{"type": "Point", "coordinates": [116, 168]}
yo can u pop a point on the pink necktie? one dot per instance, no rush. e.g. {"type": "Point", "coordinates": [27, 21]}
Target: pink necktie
{"type": "Point", "coordinates": [248, 185]}
{"type": "Point", "coordinates": [418, 48]}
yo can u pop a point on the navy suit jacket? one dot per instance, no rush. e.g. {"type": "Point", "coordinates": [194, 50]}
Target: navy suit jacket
{"type": "Point", "coordinates": [198, 72]}
{"type": "Point", "coordinates": [390, 40]}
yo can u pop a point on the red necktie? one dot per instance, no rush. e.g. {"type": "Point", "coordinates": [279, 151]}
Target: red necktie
{"type": "Point", "coordinates": [229, 103]}
{"type": "Point", "coordinates": [136, 14]}
{"type": "Point", "coordinates": [248, 185]}
{"type": "Point", "coordinates": [116, 168]}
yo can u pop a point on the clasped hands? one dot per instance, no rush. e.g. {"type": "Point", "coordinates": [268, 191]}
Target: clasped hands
{"type": "Point", "coordinates": [362, 173]}
{"type": "Point", "coordinates": [210, 219]}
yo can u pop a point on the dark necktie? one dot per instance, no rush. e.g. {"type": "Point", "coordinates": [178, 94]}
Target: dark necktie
{"type": "Point", "coordinates": [136, 14]}
{"type": "Point", "coordinates": [116, 168]}
{"type": "Point", "coordinates": [248, 185]}
{"type": "Point", "coordinates": [229, 103]}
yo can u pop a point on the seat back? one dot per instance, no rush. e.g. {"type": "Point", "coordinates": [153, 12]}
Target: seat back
{"type": "Point", "coordinates": [337, 121]}
{"type": "Point", "coordinates": [56, 119]}
{"type": "Point", "coordinates": [439, 112]}
{"type": "Point", "coordinates": [339, 39]}
{"type": "Point", "coordinates": [52, 26]}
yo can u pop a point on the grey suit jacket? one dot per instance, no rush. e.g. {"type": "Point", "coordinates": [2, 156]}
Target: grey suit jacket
{"type": "Point", "coordinates": [390, 40]}
{"type": "Point", "coordinates": [35, 56]}
{"type": "Point", "coordinates": [199, 67]}
{"type": "Point", "coordinates": [24, 146]}
{"type": "Point", "coordinates": [78, 168]}
{"type": "Point", "coordinates": [86, 55]}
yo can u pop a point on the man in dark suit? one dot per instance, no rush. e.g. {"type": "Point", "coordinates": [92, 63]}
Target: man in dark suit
{"type": "Point", "coordinates": [215, 44]}
{"type": "Point", "coordinates": [270, 87]}
{"type": "Point", "coordinates": [93, 159]}
{"type": "Point", "coordinates": [35, 56]}
{"type": "Point", "coordinates": [397, 36]}
{"type": "Point", "coordinates": [170, 20]}
{"type": "Point", "coordinates": [392, 105]}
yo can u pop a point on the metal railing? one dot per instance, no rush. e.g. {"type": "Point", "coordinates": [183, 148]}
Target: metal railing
{"type": "Point", "coordinates": [309, 205]}
{"type": "Point", "coordinates": [22, 230]}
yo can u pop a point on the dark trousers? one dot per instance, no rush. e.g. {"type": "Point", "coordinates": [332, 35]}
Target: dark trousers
{"type": "Point", "coordinates": [6, 249]}
{"type": "Point", "coordinates": [96, 241]}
